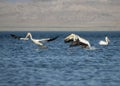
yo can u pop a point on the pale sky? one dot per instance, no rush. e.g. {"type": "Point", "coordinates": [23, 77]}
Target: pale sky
{"type": "Point", "coordinates": [60, 15]}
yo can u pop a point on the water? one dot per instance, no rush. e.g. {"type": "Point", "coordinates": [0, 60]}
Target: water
{"type": "Point", "coordinates": [22, 63]}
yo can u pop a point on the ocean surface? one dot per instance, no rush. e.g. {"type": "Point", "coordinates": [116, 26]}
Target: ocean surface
{"type": "Point", "coordinates": [22, 63]}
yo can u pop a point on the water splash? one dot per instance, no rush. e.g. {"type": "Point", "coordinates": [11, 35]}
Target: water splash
{"type": "Point", "coordinates": [92, 48]}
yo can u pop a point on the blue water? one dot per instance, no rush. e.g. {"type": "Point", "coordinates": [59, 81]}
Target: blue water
{"type": "Point", "coordinates": [23, 63]}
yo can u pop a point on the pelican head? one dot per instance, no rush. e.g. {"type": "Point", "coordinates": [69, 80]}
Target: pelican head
{"type": "Point", "coordinates": [28, 35]}
{"type": "Point", "coordinates": [107, 39]}
{"type": "Point", "coordinates": [69, 38]}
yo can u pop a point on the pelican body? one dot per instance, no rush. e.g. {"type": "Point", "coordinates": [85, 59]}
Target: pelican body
{"type": "Point", "coordinates": [106, 42]}
{"type": "Point", "coordinates": [77, 40]}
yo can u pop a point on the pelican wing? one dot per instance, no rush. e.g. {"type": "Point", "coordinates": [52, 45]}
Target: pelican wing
{"type": "Point", "coordinates": [48, 39]}
{"type": "Point", "coordinates": [24, 38]}
{"type": "Point", "coordinates": [18, 37]}
{"type": "Point", "coordinates": [84, 41]}
{"type": "Point", "coordinates": [15, 37]}
{"type": "Point", "coordinates": [45, 39]}
{"type": "Point", "coordinates": [54, 38]}
{"type": "Point", "coordinates": [77, 43]}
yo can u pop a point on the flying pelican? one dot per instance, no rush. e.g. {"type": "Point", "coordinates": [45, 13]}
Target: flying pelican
{"type": "Point", "coordinates": [39, 41]}
{"type": "Point", "coordinates": [104, 42]}
{"type": "Point", "coordinates": [77, 40]}
{"type": "Point", "coordinates": [18, 37]}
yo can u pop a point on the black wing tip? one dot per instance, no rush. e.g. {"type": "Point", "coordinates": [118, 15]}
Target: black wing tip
{"type": "Point", "coordinates": [51, 39]}
{"type": "Point", "coordinates": [15, 37]}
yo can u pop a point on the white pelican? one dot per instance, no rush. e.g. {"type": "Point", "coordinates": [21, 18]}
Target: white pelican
{"type": "Point", "coordinates": [104, 42]}
{"type": "Point", "coordinates": [77, 40]}
{"type": "Point", "coordinates": [18, 37]}
{"type": "Point", "coordinates": [39, 41]}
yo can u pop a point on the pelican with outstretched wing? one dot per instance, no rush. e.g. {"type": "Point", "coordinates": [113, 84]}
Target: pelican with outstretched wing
{"type": "Point", "coordinates": [39, 41]}
{"type": "Point", "coordinates": [77, 40]}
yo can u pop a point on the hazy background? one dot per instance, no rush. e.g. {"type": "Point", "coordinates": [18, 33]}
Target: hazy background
{"type": "Point", "coordinates": [59, 15]}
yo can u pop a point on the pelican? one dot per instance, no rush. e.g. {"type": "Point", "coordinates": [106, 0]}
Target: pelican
{"type": "Point", "coordinates": [39, 41]}
{"type": "Point", "coordinates": [77, 40]}
{"type": "Point", "coordinates": [104, 42]}
{"type": "Point", "coordinates": [18, 37]}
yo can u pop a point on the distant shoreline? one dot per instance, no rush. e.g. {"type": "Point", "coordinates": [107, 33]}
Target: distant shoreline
{"type": "Point", "coordinates": [59, 29]}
